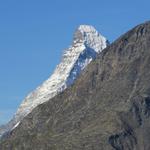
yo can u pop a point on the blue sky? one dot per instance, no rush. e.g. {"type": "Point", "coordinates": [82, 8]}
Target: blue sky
{"type": "Point", "coordinates": [33, 34]}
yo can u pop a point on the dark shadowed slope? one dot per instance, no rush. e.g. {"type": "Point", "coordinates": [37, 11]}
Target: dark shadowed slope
{"type": "Point", "coordinates": [107, 108]}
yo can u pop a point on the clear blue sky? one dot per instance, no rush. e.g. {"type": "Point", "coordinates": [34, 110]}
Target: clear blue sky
{"type": "Point", "coordinates": [33, 34]}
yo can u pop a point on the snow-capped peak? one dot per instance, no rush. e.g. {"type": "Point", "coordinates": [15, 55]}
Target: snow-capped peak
{"type": "Point", "coordinates": [91, 37]}
{"type": "Point", "coordinates": [87, 43]}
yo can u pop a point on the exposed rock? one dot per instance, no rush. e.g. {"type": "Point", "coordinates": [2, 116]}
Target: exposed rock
{"type": "Point", "coordinates": [136, 127]}
{"type": "Point", "coordinates": [87, 44]}
{"type": "Point", "coordinates": [107, 108]}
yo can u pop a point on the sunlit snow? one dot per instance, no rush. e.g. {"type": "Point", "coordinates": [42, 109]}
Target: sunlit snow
{"type": "Point", "coordinates": [87, 43]}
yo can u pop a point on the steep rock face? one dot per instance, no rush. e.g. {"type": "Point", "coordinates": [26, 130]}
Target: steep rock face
{"type": "Point", "coordinates": [136, 127]}
{"type": "Point", "coordinates": [87, 43]}
{"type": "Point", "coordinates": [107, 108]}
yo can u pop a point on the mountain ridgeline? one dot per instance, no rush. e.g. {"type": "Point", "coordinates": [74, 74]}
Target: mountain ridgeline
{"type": "Point", "coordinates": [87, 44]}
{"type": "Point", "coordinates": [107, 107]}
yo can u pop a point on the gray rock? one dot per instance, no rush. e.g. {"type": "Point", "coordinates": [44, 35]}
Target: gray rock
{"type": "Point", "coordinates": [107, 108]}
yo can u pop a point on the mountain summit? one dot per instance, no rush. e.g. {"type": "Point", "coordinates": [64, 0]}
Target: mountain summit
{"type": "Point", "coordinates": [87, 43]}
{"type": "Point", "coordinates": [107, 108]}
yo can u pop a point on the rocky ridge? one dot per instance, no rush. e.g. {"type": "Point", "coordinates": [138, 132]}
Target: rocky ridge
{"type": "Point", "coordinates": [87, 43]}
{"type": "Point", "coordinates": [107, 108]}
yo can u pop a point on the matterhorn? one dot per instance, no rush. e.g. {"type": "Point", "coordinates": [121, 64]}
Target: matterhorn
{"type": "Point", "coordinates": [87, 44]}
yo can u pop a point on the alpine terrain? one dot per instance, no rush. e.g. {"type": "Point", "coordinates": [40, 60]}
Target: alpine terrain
{"type": "Point", "coordinates": [107, 107]}
{"type": "Point", "coordinates": [87, 43]}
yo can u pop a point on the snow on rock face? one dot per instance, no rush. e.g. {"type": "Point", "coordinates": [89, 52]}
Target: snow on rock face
{"type": "Point", "coordinates": [86, 45]}
{"type": "Point", "coordinates": [91, 37]}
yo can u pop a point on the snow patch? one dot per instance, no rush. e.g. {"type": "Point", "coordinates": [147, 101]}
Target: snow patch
{"type": "Point", "coordinates": [86, 45]}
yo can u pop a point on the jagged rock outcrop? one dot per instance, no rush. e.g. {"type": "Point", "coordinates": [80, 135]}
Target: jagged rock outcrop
{"type": "Point", "coordinates": [135, 125]}
{"type": "Point", "coordinates": [108, 107]}
{"type": "Point", "coordinates": [87, 44]}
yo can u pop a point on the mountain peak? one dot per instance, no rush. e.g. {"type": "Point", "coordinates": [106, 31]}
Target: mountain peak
{"type": "Point", "coordinates": [86, 45]}
{"type": "Point", "coordinates": [88, 35]}
{"type": "Point", "coordinates": [86, 29]}
{"type": "Point", "coordinates": [107, 108]}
